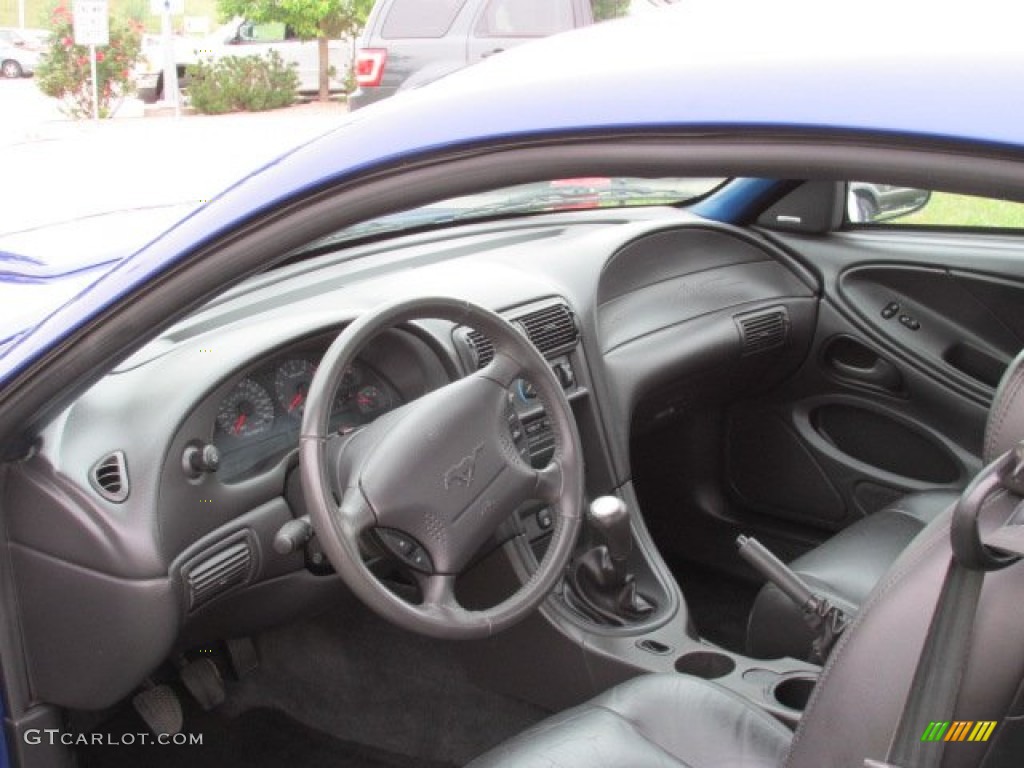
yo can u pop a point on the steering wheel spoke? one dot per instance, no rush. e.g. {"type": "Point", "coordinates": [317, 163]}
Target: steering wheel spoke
{"type": "Point", "coordinates": [550, 482]}
{"type": "Point", "coordinates": [354, 515]}
{"type": "Point", "coordinates": [503, 369]}
{"type": "Point", "coordinates": [438, 590]}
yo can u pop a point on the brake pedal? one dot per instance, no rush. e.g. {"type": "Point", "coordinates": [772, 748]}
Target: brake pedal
{"type": "Point", "coordinates": [160, 708]}
{"type": "Point", "coordinates": [203, 680]}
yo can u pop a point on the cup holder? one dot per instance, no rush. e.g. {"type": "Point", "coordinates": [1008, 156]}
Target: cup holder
{"type": "Point", "coordinates": [794, 692]}
{"type": "Point", "coordinates": [706, 664]}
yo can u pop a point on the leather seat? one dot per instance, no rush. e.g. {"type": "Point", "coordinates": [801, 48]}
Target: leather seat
{"type": "Point", "coordinates": [663, 721]}
{"type": "Point", "coordinates": [845, 568]}
{"type": "Point", "coordinates": [652, 720]}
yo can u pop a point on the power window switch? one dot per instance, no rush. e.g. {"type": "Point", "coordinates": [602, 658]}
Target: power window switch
{"type": "Point", "coordinates": [910, 322]}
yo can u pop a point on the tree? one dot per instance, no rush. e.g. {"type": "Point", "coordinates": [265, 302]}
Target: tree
{"type": "Point", "coordinates": [610, 9]}
{"type": "Point", "coordinates": [322, 20]}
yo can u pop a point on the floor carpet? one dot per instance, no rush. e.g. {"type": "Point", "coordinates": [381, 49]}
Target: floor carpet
{"type": "Point", "coordinates": [258, 738]}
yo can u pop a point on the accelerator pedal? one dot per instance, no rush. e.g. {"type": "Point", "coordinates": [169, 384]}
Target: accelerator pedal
{"type": "Point", "coordinates": [160, 708]}
{"type": "Point", "coordinates": [244, 658]}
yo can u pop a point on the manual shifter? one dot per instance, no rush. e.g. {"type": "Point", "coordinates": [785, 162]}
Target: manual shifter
{"type": "Point", "coordinates": [601, 585]}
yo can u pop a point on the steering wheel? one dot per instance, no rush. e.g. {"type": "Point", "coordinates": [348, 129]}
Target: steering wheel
{"type": "Point", "coordinates": [435, 478]}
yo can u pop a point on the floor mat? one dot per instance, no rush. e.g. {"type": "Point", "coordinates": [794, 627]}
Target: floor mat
{"type": "Point", "coordinates": [719, 603]}
{"type": "Point", "coordinates": [258, 738]}
{"type": "Point", "coordinates": [358, 678]}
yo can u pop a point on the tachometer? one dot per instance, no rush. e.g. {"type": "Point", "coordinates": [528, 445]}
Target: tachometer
{"type": "Point", "coordinates": [246, 411]}
{"type": "Point", "coordinates": [372, 399]}
{"type": "Point", "coordinates": [291, 384]}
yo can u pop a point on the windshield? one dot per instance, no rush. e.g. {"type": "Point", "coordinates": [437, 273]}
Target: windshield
{"type": "Point", "coordinates": [535, 197]}
{"type": "Point", "coordinates": [95, 175]}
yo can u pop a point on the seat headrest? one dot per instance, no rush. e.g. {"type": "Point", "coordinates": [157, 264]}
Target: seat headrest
{"type": "Point", "coordinates": [1005, 427]}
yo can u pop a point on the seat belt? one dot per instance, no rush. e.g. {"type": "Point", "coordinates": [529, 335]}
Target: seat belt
{"type": "Point", "coordinates": [948, 641]}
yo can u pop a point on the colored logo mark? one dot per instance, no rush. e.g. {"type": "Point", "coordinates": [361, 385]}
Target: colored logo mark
{"type": "Point", "coordinates": [959, 730]}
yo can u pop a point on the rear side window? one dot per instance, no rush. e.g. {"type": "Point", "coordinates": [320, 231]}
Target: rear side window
{"type": "Point", "coordinates": [420, 18]}
{"type": "Point", "coordinates": [525, 18]}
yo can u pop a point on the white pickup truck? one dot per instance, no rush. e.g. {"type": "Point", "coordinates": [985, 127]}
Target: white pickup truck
{"type": "Point", "coordinates": [242, 38]}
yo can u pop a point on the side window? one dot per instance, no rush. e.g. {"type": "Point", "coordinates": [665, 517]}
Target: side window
{"type": "Point", "coordinates": [420, 18]}
{"type": "Point", "coordinates": [525, 18]}
{"type": "Point", "coordinates": [895, 206]}
{"type": "Point", "coordinates": [271, 32]}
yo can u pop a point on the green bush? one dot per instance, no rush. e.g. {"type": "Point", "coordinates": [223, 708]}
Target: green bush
{"type": "Point", "coordinates": [64, 71]}
{"type": "Point", "coordinates": [242, 84]}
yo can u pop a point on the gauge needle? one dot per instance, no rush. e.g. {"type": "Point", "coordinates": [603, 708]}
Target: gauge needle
{"type": "Point", "coordinates": [296, 402]}
{"type": "Point", "coordinates": [239, 423]}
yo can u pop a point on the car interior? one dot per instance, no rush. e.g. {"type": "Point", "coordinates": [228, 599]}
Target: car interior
{"type": "Point", "coordinates": [397, 495]}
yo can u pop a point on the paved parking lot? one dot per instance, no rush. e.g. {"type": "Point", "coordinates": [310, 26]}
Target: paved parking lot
{"type": "Point", "coordinates": [56, 169]}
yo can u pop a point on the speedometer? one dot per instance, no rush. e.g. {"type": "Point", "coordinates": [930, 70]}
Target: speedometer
{"type": "Point", "coordinates": [246, 411]}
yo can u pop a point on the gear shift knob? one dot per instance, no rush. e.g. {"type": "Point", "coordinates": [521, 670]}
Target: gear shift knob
{"type": "Point", "coordinates": [610, 516]}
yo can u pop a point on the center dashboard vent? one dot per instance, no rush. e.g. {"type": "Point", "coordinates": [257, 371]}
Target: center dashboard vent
{"type": "Point", "coordinates": [551, 329]}
{"type": "Point", "coordinates": [761, 331]}
{"type": "Point", "coordinates": [210, 575]}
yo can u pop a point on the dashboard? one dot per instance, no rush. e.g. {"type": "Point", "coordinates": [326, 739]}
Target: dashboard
{"type": "Point", "coordinates": [155, 498]}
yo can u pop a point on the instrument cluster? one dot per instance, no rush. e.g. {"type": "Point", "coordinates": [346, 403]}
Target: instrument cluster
{"type": "Point", "coordinates": [258, 419]}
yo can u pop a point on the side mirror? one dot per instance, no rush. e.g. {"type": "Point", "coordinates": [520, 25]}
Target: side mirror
{"type": "Point", "coordinates": [866, 203]}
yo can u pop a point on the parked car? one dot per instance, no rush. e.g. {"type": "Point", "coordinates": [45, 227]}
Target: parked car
{"type": "Point", "coordinates": [243, 38]}
{"type": "Point", "coordinates": [20, 50]}
{"type": "Point", "coordinates": [408, 43]}
{"type": "Point", "coordinates": [874, 202]}
{"type": "Point", "coordinates": [28, 37]}
{"type": "Point", "coordinates": [389, 451]}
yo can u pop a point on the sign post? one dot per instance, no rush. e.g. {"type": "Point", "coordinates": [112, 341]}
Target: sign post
{"type": "Point", "coordinates": [164, 9]}
{"type": "Point", "coordinates": [92, 28]}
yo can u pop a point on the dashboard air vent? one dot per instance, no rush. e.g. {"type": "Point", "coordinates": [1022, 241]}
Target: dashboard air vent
{"type": "Point", "coordinates": [483, 348]}
{"type": "Point", "coordinates": [214, 574]}
{"type": "Point", "coordinates": [109, 476]}
{"type": "Point", "coordinates": [550, 328]}
{"type": "Point", "coordinates": [762, 331]}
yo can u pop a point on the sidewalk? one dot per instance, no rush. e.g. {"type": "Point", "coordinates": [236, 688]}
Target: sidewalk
{"type": "Point", "coordinates": [42, 120]}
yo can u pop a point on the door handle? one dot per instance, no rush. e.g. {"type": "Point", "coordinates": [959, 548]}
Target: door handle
{"type": "Point", "coordinates": [848, 359]}
{"type": "Point", "coordinates": [881, 373]}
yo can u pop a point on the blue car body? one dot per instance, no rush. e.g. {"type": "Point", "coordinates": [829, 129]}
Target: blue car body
{"type": "Point", "coordinates": [689, 67]}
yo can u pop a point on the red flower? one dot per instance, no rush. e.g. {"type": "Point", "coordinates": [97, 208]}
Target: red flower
{"type": "Point", "coordinates": [125, 74]}
{"type": "Point", "coordinates": [99, 56]}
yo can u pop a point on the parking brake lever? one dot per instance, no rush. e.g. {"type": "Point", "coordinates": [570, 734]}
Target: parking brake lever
{"type": "Point", "coordinates": [826, 620]}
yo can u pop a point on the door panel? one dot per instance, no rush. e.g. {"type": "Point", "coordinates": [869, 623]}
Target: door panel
{"type": "Point", "coordinates": [965, 326]}
{"type": "Point", "coordinates": [835, 444]}
{"type": "Point", "coordinates": [914, 332]}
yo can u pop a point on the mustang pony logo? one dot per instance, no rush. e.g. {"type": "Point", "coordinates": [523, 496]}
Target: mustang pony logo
{"type": "Point", "coordinates": [462, 472]}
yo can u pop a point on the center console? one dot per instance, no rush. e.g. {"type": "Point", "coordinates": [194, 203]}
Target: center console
{"type": "Point", "coordinates": [618, 612]}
